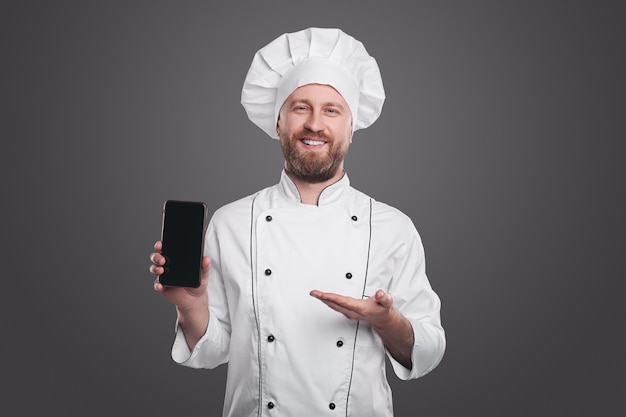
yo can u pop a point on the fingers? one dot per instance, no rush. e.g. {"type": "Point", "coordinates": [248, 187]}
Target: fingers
{"type": "Point", "coordinates": [349, 311]}
{"type": "Point", "coordinates": [157, 260]}
{"type": "Point", "coordinates": [350, 307]}
{"type": "Point", "coordinates": [370, 309]}
{"type": "Point", "coordinates": [316, 294]}
{"type": "Point", "coordinates": [158, 287]}
{"type": "Point", "coordinates": [381, 297]}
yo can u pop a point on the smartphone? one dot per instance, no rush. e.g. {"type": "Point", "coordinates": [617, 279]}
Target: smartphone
{"type": "Point", "coordinates": [182, 238]}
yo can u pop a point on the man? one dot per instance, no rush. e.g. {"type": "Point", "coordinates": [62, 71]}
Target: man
{"type": "Point", "coordinates": [308, 284]}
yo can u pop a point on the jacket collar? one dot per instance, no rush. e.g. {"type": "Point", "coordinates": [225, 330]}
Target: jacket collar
{"type": "Point", "coordinates": [329, 195]}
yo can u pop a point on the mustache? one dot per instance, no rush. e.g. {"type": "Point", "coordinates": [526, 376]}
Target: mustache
{"type": "Point", "coordinates": [311, 135]}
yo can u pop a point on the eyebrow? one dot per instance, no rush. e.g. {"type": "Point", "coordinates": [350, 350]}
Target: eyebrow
{"type": "Point", "coordinates": [325, 104]}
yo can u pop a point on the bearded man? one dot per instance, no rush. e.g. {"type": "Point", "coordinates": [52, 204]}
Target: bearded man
{"type": "Point", "coordinates": [308, 285]}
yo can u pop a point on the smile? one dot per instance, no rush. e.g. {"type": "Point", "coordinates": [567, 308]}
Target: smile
{"type": "Point", "coordinates": [312, 142]}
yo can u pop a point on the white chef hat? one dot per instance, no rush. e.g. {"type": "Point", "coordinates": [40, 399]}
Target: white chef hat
{"type": "Point", "coordinates": [312, 56]}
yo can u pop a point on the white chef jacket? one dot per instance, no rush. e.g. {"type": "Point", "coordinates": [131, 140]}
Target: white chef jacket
{"type": "Point", "coordinates": [288, 353]}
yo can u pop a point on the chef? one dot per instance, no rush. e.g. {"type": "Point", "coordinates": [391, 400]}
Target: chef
{"type": "Point", "coordinates": [309, 284]}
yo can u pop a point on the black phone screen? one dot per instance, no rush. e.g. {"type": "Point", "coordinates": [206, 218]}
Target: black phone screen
{"type": "Point", "coordinates": [182, 237]}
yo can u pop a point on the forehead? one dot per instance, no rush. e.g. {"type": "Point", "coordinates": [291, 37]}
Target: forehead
{"type": "Point", "coordinates": [318, 93]}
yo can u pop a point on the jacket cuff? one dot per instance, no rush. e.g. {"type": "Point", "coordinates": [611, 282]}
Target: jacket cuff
{"type": "Point", "coordinates": [428, 349]}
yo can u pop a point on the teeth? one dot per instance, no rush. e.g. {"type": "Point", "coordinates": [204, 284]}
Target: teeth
{"type": "Point", "coordinates": [313, 142]}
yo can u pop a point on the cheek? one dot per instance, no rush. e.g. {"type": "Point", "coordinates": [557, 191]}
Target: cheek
{"type": "Point", "coordinates": [288, 125]}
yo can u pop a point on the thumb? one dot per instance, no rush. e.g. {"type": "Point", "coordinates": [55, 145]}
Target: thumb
{"type": "Point", "coordinates": [206, 263]}
{"type": "Point", "coordinates": [384, 298]}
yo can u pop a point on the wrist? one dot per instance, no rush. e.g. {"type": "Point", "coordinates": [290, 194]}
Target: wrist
{"type": "Point", "coordinates": [200, 304]}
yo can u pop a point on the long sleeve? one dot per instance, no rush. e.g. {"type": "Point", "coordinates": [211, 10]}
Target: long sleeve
{"type": "Point", "coordinates": [412, 292]}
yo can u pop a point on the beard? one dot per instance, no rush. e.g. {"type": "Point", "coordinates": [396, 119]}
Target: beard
{"type": "Point", "coordinates": [309, 166]}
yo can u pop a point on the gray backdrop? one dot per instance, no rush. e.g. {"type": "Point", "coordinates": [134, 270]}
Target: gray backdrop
{"type": "Point", "coordinates": [501, 137]}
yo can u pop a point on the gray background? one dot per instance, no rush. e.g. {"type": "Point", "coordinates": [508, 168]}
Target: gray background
{"type": "Point", "coordinates": [501, 137]}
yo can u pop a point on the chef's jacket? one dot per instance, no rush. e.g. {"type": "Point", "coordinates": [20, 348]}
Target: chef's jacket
{"type": "Point", "coordinates": [288, 353]}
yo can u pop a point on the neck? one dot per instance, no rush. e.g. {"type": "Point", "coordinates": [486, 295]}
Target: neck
{"type": "Point", "coordinates": [310, 192]}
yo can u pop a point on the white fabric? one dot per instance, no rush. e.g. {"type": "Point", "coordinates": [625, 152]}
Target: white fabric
{"type": "Point", "coordinates": [312, 56]}
{"type": "Point", "coordinates": [303, 370]}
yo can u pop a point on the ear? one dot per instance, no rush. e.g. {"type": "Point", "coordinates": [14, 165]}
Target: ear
{"type": "Point", "coordinates": [351, 129]}
{"type": "Point", "coordinates": [278, 125]}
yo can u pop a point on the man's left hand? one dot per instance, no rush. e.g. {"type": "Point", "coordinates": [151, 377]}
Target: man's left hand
{"type": "Point", "coordinates": [376, 310]}
{"type": "Point", "coordinates": [394, 329]}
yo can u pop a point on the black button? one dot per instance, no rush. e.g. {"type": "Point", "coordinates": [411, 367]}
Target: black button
{"type": "Point", "coordinates": [339, 343]}
{"type": "Point", "coordinates": [355, 218]}
{"type": "Point", "coordinates": [270, 405]}
{"type": "Point", "coordinates": [331, 406]}
{"type": "Point", "coordinates": [348, 275]}
{"type": "Point", "coordinates": [268, 272]}
{"type": "Point", "coordinates": [270, 338]}
{"type": "Point", "coordinates": [268, 218]}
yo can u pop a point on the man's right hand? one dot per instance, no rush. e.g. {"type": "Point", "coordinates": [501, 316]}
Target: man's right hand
{"type": "Point", "coordinates": [182, 297]}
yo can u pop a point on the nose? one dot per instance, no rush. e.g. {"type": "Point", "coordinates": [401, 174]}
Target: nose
{"type": "Point", "coordinates": [314, 122]}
